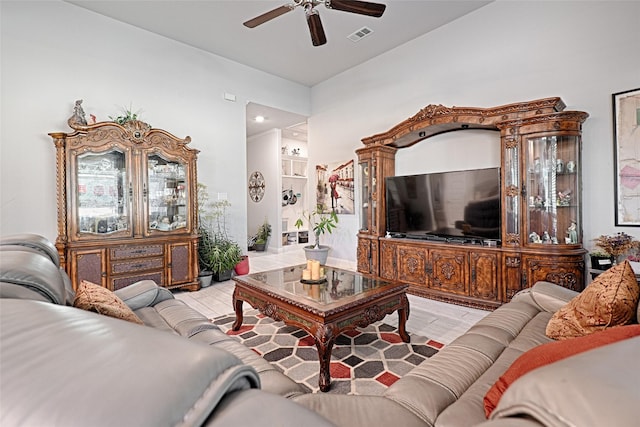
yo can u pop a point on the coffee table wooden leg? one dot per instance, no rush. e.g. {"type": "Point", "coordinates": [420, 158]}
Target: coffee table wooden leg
{"type": "Point", "coordinates": [237, 306]}
{"type": "Point", "coordinates": [403, 315]}
{"type": "Point", "coordinates": [324, 344]}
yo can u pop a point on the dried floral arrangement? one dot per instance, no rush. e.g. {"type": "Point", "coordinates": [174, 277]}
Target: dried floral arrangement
{"type": "Point", "coordinates": [617, 244]}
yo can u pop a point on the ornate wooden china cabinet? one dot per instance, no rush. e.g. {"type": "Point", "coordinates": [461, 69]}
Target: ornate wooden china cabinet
{"type": "Point", "coordinates": [541, 218]}
{"type": "Point", "coordinates": [126, 205]}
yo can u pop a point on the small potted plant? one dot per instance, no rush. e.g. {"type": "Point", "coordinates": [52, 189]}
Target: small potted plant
{"type": "Point", "coordinates": [320, 221]}
{"type": "Point", "coordinates": [616, 245]}
{"type": "Point", "coordinates": [217, 252]}
{"type": "Point", "coordinates": [262, 237]}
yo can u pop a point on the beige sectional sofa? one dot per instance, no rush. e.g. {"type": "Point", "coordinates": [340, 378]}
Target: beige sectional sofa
{"type": "Point", "coordinates": [41, 334]}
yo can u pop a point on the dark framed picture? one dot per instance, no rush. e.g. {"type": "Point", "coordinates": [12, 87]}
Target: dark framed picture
{"type": "Point", "coordinates": [626, 156]}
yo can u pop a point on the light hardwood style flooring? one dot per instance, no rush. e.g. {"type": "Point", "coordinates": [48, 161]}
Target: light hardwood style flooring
{"type": "Point", "coordinates": [436, 320]}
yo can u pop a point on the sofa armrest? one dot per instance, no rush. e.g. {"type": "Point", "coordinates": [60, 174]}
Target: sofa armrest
{"type": "Point", "coordinates": [40, 277]}
{"type": "Point", "coordinates": [546, 296]}
{"type": "Point", "coordinates": [597, 387]}
{"type": "Point", "coordinates": [145, 293]}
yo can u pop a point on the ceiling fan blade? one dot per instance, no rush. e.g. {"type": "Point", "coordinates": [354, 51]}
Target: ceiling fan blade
{"type": "Point", "coordinates": [315, 28]}
{"type": "Point", "coordinates": [355, 6]}
{"type": "Point", "coordinates": [268, 16]}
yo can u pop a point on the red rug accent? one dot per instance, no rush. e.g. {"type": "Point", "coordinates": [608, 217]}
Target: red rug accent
{"type": "Point", "coordinates": [387, 378]}
{"type": "Point", "coordinates": [435, 344]}
{"type": "Point", "coordinates": [307, 341]}
{"type": "Point", "coordinates": [339, 370]}
{"type": "Point", "coordinates": [391, 338]}
{"type": "Point", "coordinates": [242, 330]}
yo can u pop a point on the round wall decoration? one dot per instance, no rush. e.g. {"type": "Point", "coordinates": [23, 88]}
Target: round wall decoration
{"type": "Point", "coordinates": [256, 186]}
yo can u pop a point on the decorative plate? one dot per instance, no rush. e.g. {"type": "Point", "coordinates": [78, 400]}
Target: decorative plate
{"type": "Point", "coordinates": [256, 186]}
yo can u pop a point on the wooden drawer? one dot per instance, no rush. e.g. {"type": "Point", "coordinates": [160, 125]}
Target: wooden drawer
{"type": "Point", "coordinates": [137, 251]}
{"type": "Point", "coordinates": [135, 265]}
{"type": "Point", "coordinates": [124, 281]}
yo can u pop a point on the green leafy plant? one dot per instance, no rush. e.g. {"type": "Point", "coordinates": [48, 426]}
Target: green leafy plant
{"type": "Point", "coordinates": [126, 115]}
{"type": "Point", "coordinates": [264, 231]}
{"type": "Point", "coordinates": [320, 221]}
{"type": "Point", "coordinates": [217, 252]}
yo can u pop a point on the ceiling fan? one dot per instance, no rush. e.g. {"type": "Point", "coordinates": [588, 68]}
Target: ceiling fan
{"type": "Point", "coordinates": [318, 37]}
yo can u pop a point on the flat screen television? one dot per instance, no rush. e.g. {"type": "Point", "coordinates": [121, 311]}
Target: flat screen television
{"type": "Point", "coordinates": [458, 204]}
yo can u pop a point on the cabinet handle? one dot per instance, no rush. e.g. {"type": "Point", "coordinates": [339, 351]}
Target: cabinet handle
{"type": "Point", "coordinates": [130, 193]}
{"type": "Point", "coordinates": [473, 275]}
{"type": "Point", "coordinates": [144, 191]}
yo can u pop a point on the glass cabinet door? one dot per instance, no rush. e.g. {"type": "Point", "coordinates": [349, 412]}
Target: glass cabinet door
{"type": "Point", "coordinates": [365, 195]}
{"type": "Point", "coordinates": [553, 192]}
{"type": "Point", "coordinates": [103, 193]}
{"type": "Point", "coordinates": [166, 194]}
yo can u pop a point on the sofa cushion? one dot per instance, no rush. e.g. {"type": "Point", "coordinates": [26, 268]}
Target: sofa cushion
{"type": "Point", "coordinates": [608, 301]}
{"type": "Point", "coordinates": [598, 387]}
{"type": "Point", "coordinates": [550, 353]}
{"type": "Point", "coordinates": [92, 297]}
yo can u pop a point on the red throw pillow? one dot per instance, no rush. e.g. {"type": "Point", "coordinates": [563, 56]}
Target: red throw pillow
{"type": "Point", "coordinates": [552, 352]}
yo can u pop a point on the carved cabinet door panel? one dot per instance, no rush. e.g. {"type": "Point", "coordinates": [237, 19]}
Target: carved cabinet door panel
{"type": "Point", "coordinates": [88, 264]}
{"type": "Point", "coordinates": [388, 260]}
{"type": "Point", "coordinates": [412, 264]}
{"type": "Point", "coordinates": [449, 271]}
{"type": "Point", "coordinates": [511, 281]}
{"type": "Point", "coordinates": [567, 271]}
{"type": "Point", "coordinates": [484, 275]}
{"type": "Point", "coordinates": [364, 256]}
{"type": "Point", "coordinates": [179, 263]}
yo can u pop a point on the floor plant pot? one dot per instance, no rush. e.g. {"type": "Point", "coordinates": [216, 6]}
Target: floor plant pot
{"type": "Point", "coordinates": [222, 276]}
{"type": "Point", "coordinates": [242, 267]}
{"type": "Point", "coordinates": [205, 278]}
{"type": "Point", "coordinates": [319, 254]}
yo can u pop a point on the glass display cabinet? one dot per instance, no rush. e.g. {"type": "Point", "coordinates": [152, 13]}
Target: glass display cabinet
{"type": "Point", "coordinates": [553, 190]}
{"type": "Point", "coordinates": [374, 164]}
{"type": "Point", "coordinates": [126, 205]}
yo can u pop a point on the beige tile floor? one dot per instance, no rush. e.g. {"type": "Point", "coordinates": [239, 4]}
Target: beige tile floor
{"type": "Point", "coordinates": [439, 321]}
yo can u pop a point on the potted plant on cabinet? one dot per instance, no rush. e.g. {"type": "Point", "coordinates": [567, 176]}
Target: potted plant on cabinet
{"type": "Point", "coordinates": [321, 222]}
{"type": "Point", "coordinates": [262, 238]}
{"type": "Point", "coordinates": [217, 252]}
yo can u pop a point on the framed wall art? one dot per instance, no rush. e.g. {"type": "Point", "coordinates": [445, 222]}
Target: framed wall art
{"type": "Point", "coordinates": [334, 191]}
{"type": "Point", "coordinates": [626, 142]}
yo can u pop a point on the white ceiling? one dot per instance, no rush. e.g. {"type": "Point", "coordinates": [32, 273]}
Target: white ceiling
{"type": "Point", "coordinates": [283, 46]}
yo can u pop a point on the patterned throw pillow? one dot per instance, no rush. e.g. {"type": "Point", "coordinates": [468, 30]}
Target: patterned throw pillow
{"type": "Point", "coordinates": [610, 300]}
{"type": "Point", "coordinates": [92, 297]}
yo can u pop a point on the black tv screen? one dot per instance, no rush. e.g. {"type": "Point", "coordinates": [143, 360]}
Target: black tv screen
{"type": "Point", "coordinates": [463, 204]}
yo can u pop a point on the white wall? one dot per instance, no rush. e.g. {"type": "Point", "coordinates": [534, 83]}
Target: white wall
{"type": "Point", "coordinates": [502, 53]}
{"type": "Point", "coordinates": [54, 53]}
{"type": "Point", "coordinates": [262, 155]}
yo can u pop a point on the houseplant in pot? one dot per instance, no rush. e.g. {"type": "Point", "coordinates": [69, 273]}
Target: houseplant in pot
{"type": "Point", "coordinates": [320, 221]}
{"type": "Point", "coordinates": [262, 237]}
{"type": "Point", "coordinates": [217, 252]}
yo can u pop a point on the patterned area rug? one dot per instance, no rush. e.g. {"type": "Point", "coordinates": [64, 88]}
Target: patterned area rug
{"type": "Point", "coordinates": [364, 361]}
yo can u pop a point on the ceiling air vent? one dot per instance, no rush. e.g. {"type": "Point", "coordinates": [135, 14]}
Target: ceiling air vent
{"type": "Point", "coordinates": [360, 34]}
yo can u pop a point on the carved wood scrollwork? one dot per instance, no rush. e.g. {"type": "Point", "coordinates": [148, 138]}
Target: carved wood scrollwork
{"type": "Point", "coordinates": [564, 279]}
{"type": "Point", "coordinates": [511, 142]}
{"type": "Point", "coordinates": [512, 191]}
{"type": "Point", "coordinates": [513, 239]}
{"type": "Point", "coordinates": [137, 131]}
{"type": "Point", "coordinates": [512, 261]}
{"type": "Point", "coordinates": [412, 265]}
{"type": "Point", "coordinates": [447, 270]}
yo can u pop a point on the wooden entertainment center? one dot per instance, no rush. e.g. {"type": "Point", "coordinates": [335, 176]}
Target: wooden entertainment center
{"type": "Point", "coordinates": [540, 199]}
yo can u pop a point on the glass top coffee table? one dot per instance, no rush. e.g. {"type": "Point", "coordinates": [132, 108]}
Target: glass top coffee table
{"type": "Point", "coordinates": [345, 301]}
